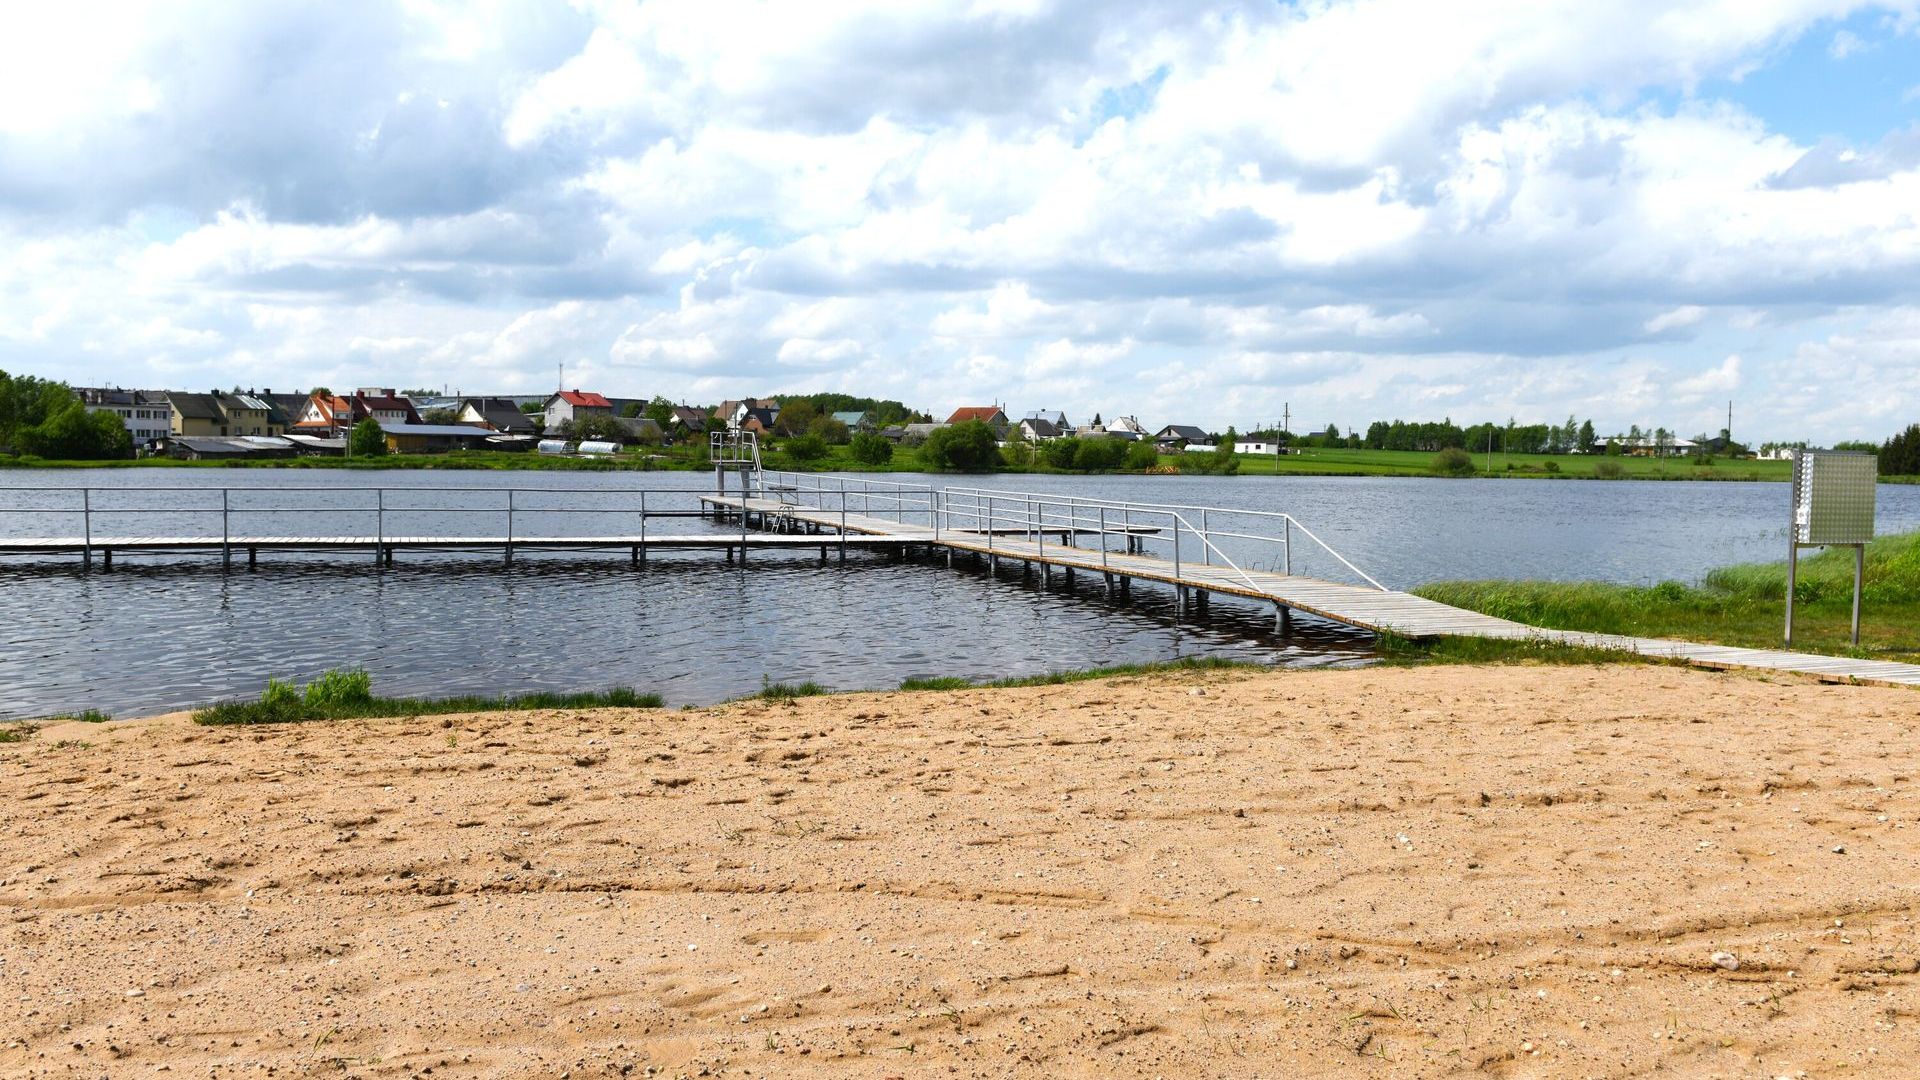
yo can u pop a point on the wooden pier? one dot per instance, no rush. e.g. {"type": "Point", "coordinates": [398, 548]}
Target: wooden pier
{"type": "Point", "coordinates": [1188, 549]}
{"type": "Point", "coordinates": [1048, 539]}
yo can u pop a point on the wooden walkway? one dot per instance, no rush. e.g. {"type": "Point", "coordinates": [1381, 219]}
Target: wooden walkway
{"type": "Point", "coordinates": [385, 547]}
{"type": "Point", "coordinates": [1399, 613]}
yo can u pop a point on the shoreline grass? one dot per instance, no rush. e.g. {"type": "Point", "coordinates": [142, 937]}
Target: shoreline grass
{"type": "Point", "coordinates": [1741, 605]}
{"type": "Point", "coordinates": [1396, 651]}
{"type": "Point", "coordinates": [347, 695]}
{"type": "Point", "coordinates": [1111, 671]}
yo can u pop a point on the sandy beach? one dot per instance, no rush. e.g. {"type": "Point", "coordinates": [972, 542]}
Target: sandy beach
{"type": "Point", "coordinates": [1514, 871]}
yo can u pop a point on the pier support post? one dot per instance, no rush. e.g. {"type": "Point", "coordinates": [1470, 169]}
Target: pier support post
{"type": "Point", "coordinates": [106, 558]}
{"type": "Point", "coordinates": [1070, 577]}
{"type": "Point", "coordinates": [729, 554]}
{"type": "Point", "coordinates": [253, 557]}
{"type": "Point", "coordinates": [1282, 620]}
{"type": "Point", "coordinates": [1200, 601]}
{"type": "Point", "coordinates": [507, 558]}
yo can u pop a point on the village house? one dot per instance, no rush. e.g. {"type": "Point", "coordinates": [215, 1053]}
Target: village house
{"type": "Point", "coordinates": [686, 420]}
{"type": "Point", "coordinates": [991, 415]}
{"type": "Point", "coordinates": [496, 414]}
{"type": "Point", "coordinates": [1039, 429]}
{"type": "Point", "coordinates": [1182, 435]}
{"type": "Point", "coordinates": [1052, 416]}
{"type": "Point", "coordinates": [433, 438]}
{"type": "Point", "coordinates": [856, 421]}
{"type": "Point", "coordinates": [568, 405]}
{"type": "Point", "coordinates": [1259, 446]}
{"type": "Point", "coordinates": [385, 405]}
{"type": "Point", "coordinates": [765, 412]}
{"type": "Point", "coordinates": [324, 416]}
{"type": "Point", "coordinates": [219, 414]}
{"type": "Point", "coordinates": [145, 413]}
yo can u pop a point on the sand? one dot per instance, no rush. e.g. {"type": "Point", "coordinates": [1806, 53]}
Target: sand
{"type": "Point", "coordinates": [1518, 871]}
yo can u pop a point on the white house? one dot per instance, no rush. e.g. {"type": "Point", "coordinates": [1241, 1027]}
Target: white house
{"type": "Point", "coordinates": [147, 416]}
{"type": "Point", "coordinates": [568, 405]}
{"type": "Point", "coordinates": [1257, 446]}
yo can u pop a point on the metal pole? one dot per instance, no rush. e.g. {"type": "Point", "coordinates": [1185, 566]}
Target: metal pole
{"type": "Point", "coordinates": [226, 530]}
{"type": "Point", "coordinates": [843, 524]}
{"type": "Point", "coordinates": [1179, 591]}
{"type": "Point", "coordinates": [1859, 577]}
{"type": "Point", "coordinates": [86, 523]}
{"type": "Point", "coordinates": [1793, 575]}
{"type": "Point", "coordinates": [379, 525]}
{"type": "Point", "coordinates": [508, 560]}
{"type": "Point", "coordinates": [1103, 539]}
{"type": "Point", "coordinates": [1286, 546]}
{"type": "Point", "coordinates": [1206, 539]}
{"type": "Point", "coordinates": [990, 520]}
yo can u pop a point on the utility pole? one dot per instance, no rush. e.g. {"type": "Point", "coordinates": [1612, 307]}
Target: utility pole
{"type": "Point", "coordinates": [1286, 416]}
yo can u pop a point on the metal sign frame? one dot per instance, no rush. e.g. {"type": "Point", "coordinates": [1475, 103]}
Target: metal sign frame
{"type": "Point", "coordinates": [1832, 506]}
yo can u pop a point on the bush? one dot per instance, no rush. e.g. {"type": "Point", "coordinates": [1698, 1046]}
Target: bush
{"type": "Point", "coordinates": [1452, 461]}
{"type": "Point", "coordinates": [1551, 466]}
{"type": "Point", "coordinates": [1143, 455]}
{"type": "Point", "coordinates": [367, 440]}
{"type": "Point", "coordinates": [1100, 454]}
{"type": "Point", "coordinates": [1061, 453]}
{"type": "Point", "coordinates": [808, 447]}
{"type": "Point", "coordinates": [968, 447]}
{"type": "Point", "coordinates": [871, 449]}
{"type": "Point", "coordinates": [1609, 470]}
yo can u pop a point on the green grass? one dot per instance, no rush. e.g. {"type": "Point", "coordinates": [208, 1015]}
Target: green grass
{"type": "Point", "coordinates": [15, 733]}
{"type": "Point", "coordinates": [1396, 651]}
{"type": "Point", "coordinates": [1737, 605]}
{"type": "Point", "coordinates": [1056, 678]}
{"type": "Point", "coordinates": [86, 716]}
{"type": "Point", "coordinates": [346, 695]}
{"type": "Point", "coordinates": [773, 691]}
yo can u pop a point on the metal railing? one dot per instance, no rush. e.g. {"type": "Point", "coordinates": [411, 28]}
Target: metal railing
{"type": "Point", "coordinates": [347, 514]}
{"type": "Point", "coordinates": [1190, 534]}
{"type": "Point", "coordinates": [901, 503]}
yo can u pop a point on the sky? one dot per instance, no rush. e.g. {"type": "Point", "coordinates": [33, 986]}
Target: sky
{"type": "Point", "coordinates": [1188, 211]}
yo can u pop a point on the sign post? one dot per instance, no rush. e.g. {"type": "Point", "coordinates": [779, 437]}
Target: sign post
{"type": "Point", "coordinates": [1833, 494]}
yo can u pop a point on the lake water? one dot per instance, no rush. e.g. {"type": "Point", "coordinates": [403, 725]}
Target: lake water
{"type": "Point", "coordinates": [160, 633]}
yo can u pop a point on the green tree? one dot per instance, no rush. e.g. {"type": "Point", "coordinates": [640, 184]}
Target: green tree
{"type": "Point", "coordinates": [1100, 455]}
{"type": "Point", "coordinates": [967, 447]}
{"type": "Point", "coordinates": [440, 416]}
{"type": "Point", "coordinates": [870, 449]}
{"type": "Point", "coordinates": [532, 407]}
{"type": "Point", "coordinates": [797, 417]}
{"type": "Point", "coordinates": [1061, 453]}
{"type": "Point", "coordinates": [631, 410]}
{"type": "Point", "coordinates": [1585, 445]}
{"type": "Point", "coordinates": [593, 426]}
{"type": "Point", "coordinates": [367, 439]}
{"type": "Point", "coordinates": [808, 447]}
{"type": "Point", "coordinates": [1143, 455]}
{"type": "Point", "coordinates": [72, 433]}
{"type": "Point", "coordinates": [1452, 461]}
{"type": "Point", "coordinates": [660, 411]}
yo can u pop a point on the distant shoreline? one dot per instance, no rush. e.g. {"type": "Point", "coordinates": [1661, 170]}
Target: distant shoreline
{"type": "Point", "coordinates": [1389, 463]}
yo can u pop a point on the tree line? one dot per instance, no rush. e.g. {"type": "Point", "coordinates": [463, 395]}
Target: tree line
{"type": "Point", "coordinates": [1572, 437]}
{"type": "Point", "coordinates": [1900, 455]}
{"type": "Point", "coordinates": [44, 418]}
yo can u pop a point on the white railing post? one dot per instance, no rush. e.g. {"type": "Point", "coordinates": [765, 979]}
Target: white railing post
{"type": "Point", "coordinates": [1206, 539]}
{"type": "Point", "coordinates": [379, 526]}
{"type": "Point", "coordinates": [1178, 589]}
{"type": "Point", "coordinates": [86, 523]}
{"type": "Point", "coordinates": [1286, 545]}
{"type": "Point", "coordinates": [226, 529]}
{"type": "Point", "coordinates": [1103, 537]}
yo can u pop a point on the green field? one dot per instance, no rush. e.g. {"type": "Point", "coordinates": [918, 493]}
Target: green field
{"type": "Point", "coordinates": [1315, 462]}
{"type": "Point", "coordinates": [1737, 605]}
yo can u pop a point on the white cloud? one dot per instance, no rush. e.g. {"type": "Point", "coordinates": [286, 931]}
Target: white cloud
{"type": "Point", "coordinates": [1368, 207]}
{"type": "Point", "coordinates": [1682, 316]}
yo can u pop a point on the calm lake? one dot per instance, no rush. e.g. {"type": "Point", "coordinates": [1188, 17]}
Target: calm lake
{"type": "Point", "coordinates": [167, 632]}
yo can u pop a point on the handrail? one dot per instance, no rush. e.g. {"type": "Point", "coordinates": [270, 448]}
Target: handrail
{"type": "Point", "coordinates": [1069, 509]}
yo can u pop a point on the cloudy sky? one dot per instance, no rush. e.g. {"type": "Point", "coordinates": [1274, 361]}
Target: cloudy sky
{"type": "Point", "coordinates": [1196, 212]}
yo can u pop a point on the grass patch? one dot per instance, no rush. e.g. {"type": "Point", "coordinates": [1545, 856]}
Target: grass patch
{"type": "Point", "coordinates": [13, 733]}
{"type": "Point", "coordinates": [86, 716]}
{"type": "Point", "coordinates": [774, 691]}
{"type": "Point", "coordinates": [1396, 651]}
{"type": "Point", "coordinates": [1738, 605]}
{"type": "Point", "coordinates": [939, 682]}
{"type": "Point", "coordinates": [347, 695]}
{"type": "Point", "coordinates": [1056, 678]}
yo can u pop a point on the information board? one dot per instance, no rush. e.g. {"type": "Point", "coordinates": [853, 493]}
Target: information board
{"type": "Point", "coordinates": [1833, 493]}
